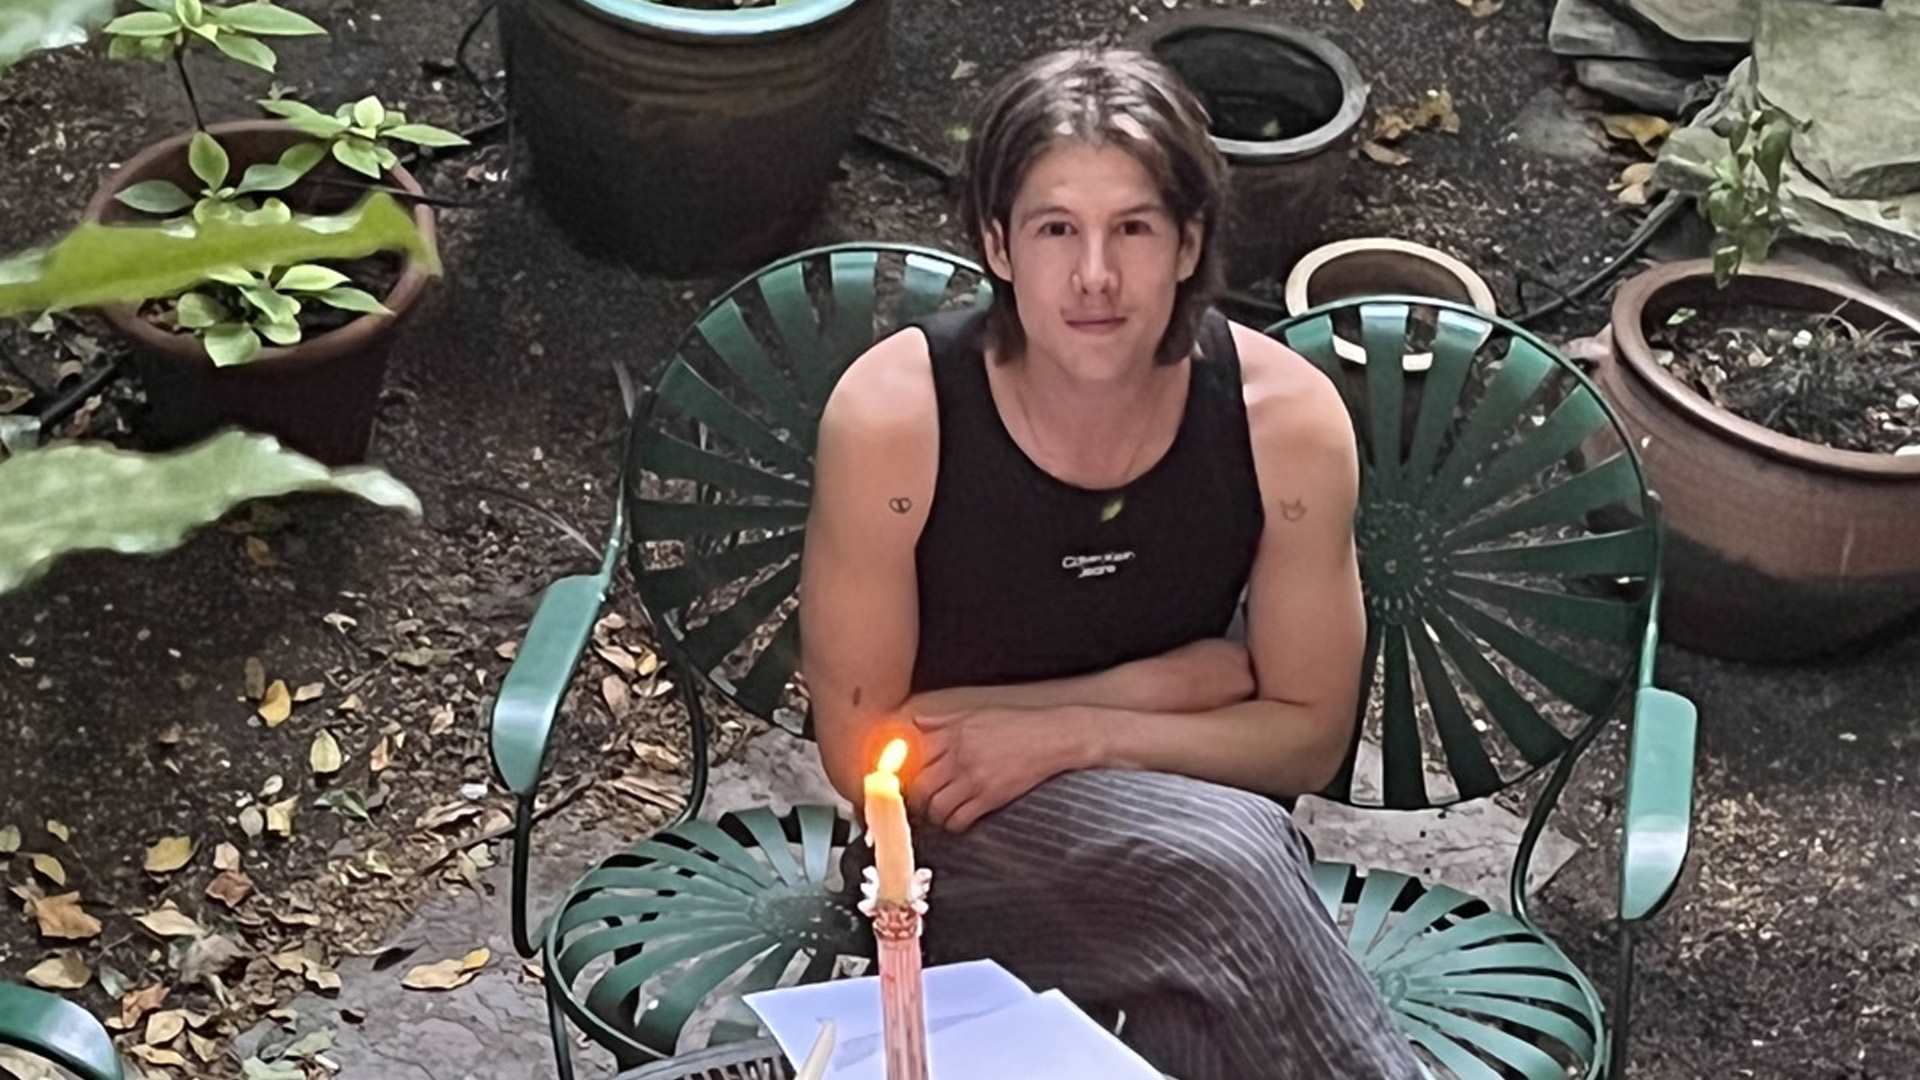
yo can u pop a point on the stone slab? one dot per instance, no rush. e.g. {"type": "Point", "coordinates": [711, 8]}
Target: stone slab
{"type": "Point", "coordinates": [1644, 86]}
{"type": "Point", "coordinates": [1726, 22]}
{"type": "Point", "coordinates": [1550, 127]}
{"type": "Point", "coordinates": [1851, 72]}
{"type": "Point", "coordinates": [1590, 28]}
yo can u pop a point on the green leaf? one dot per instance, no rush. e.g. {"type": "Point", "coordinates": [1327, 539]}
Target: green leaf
{"type": "Point", "coordinates": [156, 197]}
{"type": "Point", "coordinates": [118, 48]}
{"type": "Point", "coordinates": [197, 311]}
{"type": "Point", "coordinates": [83, 496]}
{"type": "Point", "coordinates": [271, 212]}
{"type": "Point", "coordinates": [351, 299]}
{"type": "Point", "coordinates": [249, 51]}
{"type": "Point", "coordinates": [1755, 242]}
{"type": "Point", "coordinates": [307, 277]}
{"type": "Point", "coordinates": [265, 18]}
{"type": "Point", "coordinates": [357, 154]}
{"type": "Point", "coordinates": [387, 158]}
{"type": "Point", "coordinates": [1738, 136]}
{"type": "Point", "coordinates": [1773, 153]}
{"type": "Point", "coordinates": [304, 117]}
{"type": "Point", "coordinates": [301, 157]}
{"type": "Point", "coordinates": [266, 178]}
{"type": "Point", "coordinates": [345, 801]}
{"type": "Point", "coordinates": [367, 112]}
{"type": "Point", "coordinates": [231, 343]}
{"type": "Point", "coordinates": [208, 160]}
{"type": "Point", "coordinates": [1726, 261]}
{"type": "Point", "coordinates": [232, 275]}
{"type": "Point", "coordinates": [271, 303]}
{"type": "Point", "coordinates": [287, 333]}
{"type": "Point", "coordinates": [103, 264]}
{"type": "Point", "coordinates": [29, 26]}
{"type": "Point", "coordinates": [144, 24]}
{"type": "Point", "coordinates": [425, 135]}
{"type": "Point", "coordinates": [189, 12]}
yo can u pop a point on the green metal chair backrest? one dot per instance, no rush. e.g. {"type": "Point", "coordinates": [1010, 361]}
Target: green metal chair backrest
{"type": "Point", "coordinates": [1509, 547]}
{"type": "Point", "coordinates": [57, 1030]}
{"type": "Point", "coordinates": [720, 458]}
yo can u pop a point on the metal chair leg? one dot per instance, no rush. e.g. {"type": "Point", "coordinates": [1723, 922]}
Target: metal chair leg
{"type": "Point", "coordinates": [557, 1029]}
{"type": "Point", "coordinates": [1622, 1007]}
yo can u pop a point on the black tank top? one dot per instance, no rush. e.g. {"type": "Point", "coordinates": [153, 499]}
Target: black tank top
{"type": "Point", "coordinates": [1025, 577]}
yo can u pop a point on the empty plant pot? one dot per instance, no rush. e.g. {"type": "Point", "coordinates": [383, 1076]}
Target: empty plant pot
{"type": "Point", "coordinates": [1382, 266]}
{"type": "Point", "coordinates": [1285, 104]}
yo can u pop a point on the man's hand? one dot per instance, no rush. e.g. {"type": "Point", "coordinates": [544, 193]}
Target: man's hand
{"type": "Point", "coordinates": [976, 761]}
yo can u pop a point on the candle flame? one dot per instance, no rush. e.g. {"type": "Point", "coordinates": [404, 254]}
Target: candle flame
{"type": "Point", "coordinates": [894, 756]}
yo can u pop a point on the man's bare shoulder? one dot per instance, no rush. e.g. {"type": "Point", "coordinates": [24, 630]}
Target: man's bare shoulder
{"type": "Point", "coordinates": [885, 396]}
{"type": "Point", "coordinates": [1293, 409]}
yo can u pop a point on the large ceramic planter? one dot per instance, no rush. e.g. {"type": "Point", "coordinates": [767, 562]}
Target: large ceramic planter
{"type": "Point", "coordinates": [1776, 548]}
{"type": "Point", "coordinates": [318, 396]}
{"type": "Point", "coordinates": [1381, 266]}
{"type": "Point", "coordinates": [1285, 181]}
{"type": "Point", "coordinates": [685, 140]}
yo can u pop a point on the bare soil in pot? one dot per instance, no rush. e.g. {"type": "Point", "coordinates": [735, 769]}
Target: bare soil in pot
{"type": "Point", "coordinates": [1811, 376]}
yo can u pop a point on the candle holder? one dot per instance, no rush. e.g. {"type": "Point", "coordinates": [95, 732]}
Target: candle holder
{"type": "Point", "coordinates": [903, 1009]}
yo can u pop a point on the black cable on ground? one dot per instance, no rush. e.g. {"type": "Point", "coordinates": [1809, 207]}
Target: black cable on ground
{"type": "Point", "coordinates": [460, 54]}
{"type": "Point", "coordinates": [1669, 205]}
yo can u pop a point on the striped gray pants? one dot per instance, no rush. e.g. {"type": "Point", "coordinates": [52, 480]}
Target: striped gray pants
{"type": "Point", "coordinates": [1184, 903]}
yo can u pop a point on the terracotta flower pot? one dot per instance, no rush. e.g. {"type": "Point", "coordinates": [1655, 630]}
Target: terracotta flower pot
{"type": "Point", "coordinates": [318, 396]}
{"type": "Point", "coordinates": [686, 140]}
{"type": "Point", "coordinates": [1382, 266]}
{"type": "Point", "coordinates": [1285, 178]}
{"type": "Point", "coordinates": [1776, 548]}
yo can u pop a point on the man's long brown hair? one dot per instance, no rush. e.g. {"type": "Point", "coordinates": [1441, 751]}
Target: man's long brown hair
{"type": "Point", "coordinates": [1110, 97]}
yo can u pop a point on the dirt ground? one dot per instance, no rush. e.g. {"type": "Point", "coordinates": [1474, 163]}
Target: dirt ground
{"type": "Point", "coordinates": [1789, 952]}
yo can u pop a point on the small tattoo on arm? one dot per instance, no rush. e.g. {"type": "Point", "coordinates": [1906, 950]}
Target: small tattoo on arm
{"type": "Point", "coordinates": [1293, 511]}
{"type": "Point", "coordinates": [856, 697]}
{"type": "Point", "coordinates": [900, 506]}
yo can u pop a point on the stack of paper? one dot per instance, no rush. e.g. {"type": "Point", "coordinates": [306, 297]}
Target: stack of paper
{"type": "Point", "coordinates": [981, 1022]}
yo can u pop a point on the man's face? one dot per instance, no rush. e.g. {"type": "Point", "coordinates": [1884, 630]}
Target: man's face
{"type": "Point", "coordinates": [1094, 258]}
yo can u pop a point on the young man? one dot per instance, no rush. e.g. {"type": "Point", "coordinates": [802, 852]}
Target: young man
{"type": "Point", "coordinates": [1030, 532]}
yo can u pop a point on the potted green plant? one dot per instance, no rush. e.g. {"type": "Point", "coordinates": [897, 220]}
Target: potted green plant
{"type": "Point", "coordinates": [688, 135]}
{"type": "Point", "coordinates": [297, 351]}
{"type": "Point", "coordinates": [1779, 412]}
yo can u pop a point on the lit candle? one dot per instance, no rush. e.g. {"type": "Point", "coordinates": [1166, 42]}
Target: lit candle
{"type": "Point", "coordinates": [887, 827]}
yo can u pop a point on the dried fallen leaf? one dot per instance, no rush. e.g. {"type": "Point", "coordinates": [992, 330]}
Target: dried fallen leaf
{"type": "Point", "coordinates": [965, 69]}
{"type": "Point", "coordinates": [226, 857]}
{"type": "Point", "coordinates": [170, 735]}
{"type": "Point", "coordinates": [655, 756]}
{"type": "Point", "coordinates": [9, 839]}
{"type": "Point", "coordinates": [273, 785]}
{"type": "Point", "coordinates": [381, 756]}
{"type": "Point", "coordinates": [138, 1004]}
{"type": "Point", "coordinates": [352, 704]}
{"type": "Point", "coordinates": [230, 887]}
{"type": "Point", "coordinates": [49, 868]}
{"type": "Point", "coordinates": [62, 917]}
{"type": "Point", "coordinates": [165, 1026]}
{"type": "Point", "coordinates": [170, 922]}
{"type": "Point", "coordinates": [447, 814]}
{"type": "Point", "coordinates": [64, 971]}
{"type": "Point", "coordinates": [309, 692]}
{"type": "Point", "coordinates": [1482, 9]}
{"type": "Point", "coordinates": [1357, 5]}
{"type": "Point", "coordinates": [60, 830]}
{"type": "Point", "coordinates": [256, 679]}
{"type": "Point", "coordinates": [648, 662]}
{"type": "Point", "coordinates": [296, 918]}
{"type": "Point", "coordinates": [647, 791]}
{"type": "Point", "coordinates": [169, 854]}
{"type": "Point", "coordinates": [507, 650]}
{"type": "Point", "coordinates": [339, 621]}
{"type": "Point", "coordinates": [621, 659]}
{"type": "Point", "coordinates": [325, 754]}
{"type": "Point", "coordinates": [613, 690]}
{"type": "Point", "coordinates": [659, 688]}
{"type": "Point", "coordinates": [261, 553]}
{"type": "Point", "coordinates": [323, 978]}
{"type": "Point", "coordinates": [280, 816]}
{"type": "Point", "coordinates": [154, 1055]}
{"type": "Point", "coordinates": [447, 974]}
{"type": "Point", "coordinates": [441, 720]}
{"type": "Point", "coordinates": [210, 955]}
{"type": "Point", "coordinates": [252, 822]}
{"type": "Point", "coordinates": [1640, 128]}
{"type": "Point", "coordinates": [203, 1048]}
{"type": "Point", "coordinates": [607, 624]}
{"type": "Point", "coordinates": [291, 961]}
{"type": "Point", "coordinates": [277, 705]}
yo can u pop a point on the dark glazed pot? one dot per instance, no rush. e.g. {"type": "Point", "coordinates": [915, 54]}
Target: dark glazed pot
{"type": "Point", "coordinates": [319, 396]}
{"type": "Point", "coordinates": [1777, 549]}
{"type": "Point", "coordinates": [684, 140]}
{"type": "Point", "coordinates": [1252, 72]}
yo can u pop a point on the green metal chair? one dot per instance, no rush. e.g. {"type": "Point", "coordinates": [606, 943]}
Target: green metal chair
{"type": "Point", "coordinates": [1510, 553]}
{"type": "Point", "coordinates": [57, 1030]}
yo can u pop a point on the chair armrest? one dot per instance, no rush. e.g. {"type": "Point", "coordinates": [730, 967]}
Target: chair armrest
{"type": "Point", "coordinates": [537, 682]}
{"type": "Point", "coordinates": [1659, 808]}
{"type": "Point", "coordinates": [58, 1030]}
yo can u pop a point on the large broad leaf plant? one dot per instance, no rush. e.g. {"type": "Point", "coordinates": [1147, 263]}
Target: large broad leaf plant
{"type": "Point", "coordinates": [80, 496]}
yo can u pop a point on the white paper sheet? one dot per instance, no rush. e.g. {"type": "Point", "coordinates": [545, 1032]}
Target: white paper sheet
{"type": "Point", "coordinates": [981, 1022]}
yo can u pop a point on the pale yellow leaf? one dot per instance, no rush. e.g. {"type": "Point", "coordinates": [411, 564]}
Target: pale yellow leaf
{"type": "Point", "coordinates": [277, 705]}
{"type": "Point", "coordinates": [203, 1048]}
{"type": "Point", "coordinates": [292, 961]}
{"type": "Point", "coordinates": [165, 1026]}
{"type": "Point", "coordinates": [9, 839]}
{"type": "Point", "coordinates": [309, 692]}
{"type": "Point", "coordinates": [169, 922]}
{"type": "Point", "coordinates": [1385, 155]}
{"type": "Point", "coordinates": [49, 867]}
{"type": "Point", "coordinates": [1357, 5]}
{"type": "Point", "coordinates": [64, 971]}
{"type": "Point", "coordinates": [273, 785]}
{"type": "Point", "coordinates": [60, 830]}
{"type": "Point", "coordinates": [442, 719]}
{"type": "Point", "coordinates": [252, 821]}
{"type": "Point", "coordinates": [621, 659]}
{"type": "Point", "coordinates": [381, 756]}
{"type": "Point", "coordinates": [507, 650]}
{"type": "Point", "coordinates": [322, 977]}
{"type": "Point", "coordinates": [169, 854]}
{"type": "Point", "coordinates": [154, 1055]}
{"type": "Point", "coordinates": [325, 754]}
{"type": "Point", "coordinates": [613, 690]}
{"type": "Point", "coordinates": [62, 917]}
{"type": "Point", "coordinates": [1640, 128]}
{"type": "Point", "coordinates": [226, 857]}
{"type": "Point", "coordinates": [352, 704]}
{"type": "Point", "coordinates": [280, 816]}
{"type": "Point", "coordinates": [447, 974]}
{"type": "Point", "coordinates": [647, 664]}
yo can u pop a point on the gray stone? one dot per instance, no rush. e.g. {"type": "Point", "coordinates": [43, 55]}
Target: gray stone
{"type": "Point", "coordinates": [1850, 71]}
{"type": "Point", "coordinates": [1885, 231]}
{"type": "Point", "coordinates": [1722, 21]}
{"type": "Point", "coordinates": [1591, 28]}
{"type": "Point", "coordinates": [1550, 127]}
{"type": "Point", "coordinates": [1901, 7]}
{"type": "Point", "coordinates": [1640, 84]}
